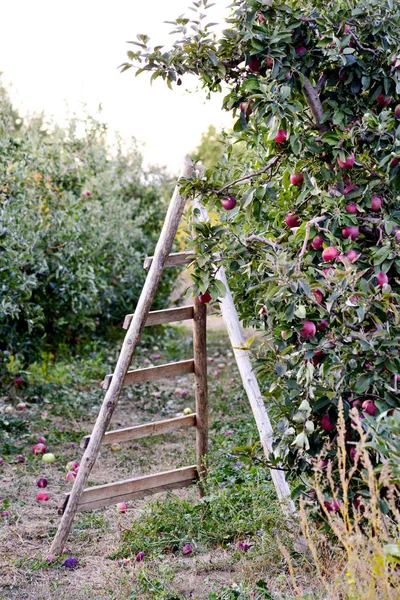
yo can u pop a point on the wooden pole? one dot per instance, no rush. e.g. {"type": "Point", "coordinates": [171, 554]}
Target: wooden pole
{"type": "Point", "coordinates": [249, 380]}
{"type": "Point", "coordinates": [200, 375]}
{"type": "Point", "coordinates": [132, 339]}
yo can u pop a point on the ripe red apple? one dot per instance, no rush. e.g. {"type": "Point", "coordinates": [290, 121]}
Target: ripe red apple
{"type": "Point", "coordinates": [351, 232]}
{"type": "Point", "coordinates": [317, 296]}
{"type": "Point", "coordinates": [369, 407]}
{"type": "Point", "coordinates": [383, 100]}
{"type": "Point", "coordinates": [353, 453]}
{"type": "Point", "coordinates": [323, 325]}
{"type": "Point", "coordinates": [122, 507]}
{"type": "Point", "coordinates": [269, 61]}
{"type": "Point", "coordinates": [42, 482]}
{"type": "Point", "coordinates": [42, 497]}
{"type": "Point", "coordinates": [301, 50]}
{"type": "Point", "coordinates": [382, 278]}
{"type": "Point", "coordinates": [397, 111]}
{"type": "Point", "coordinates": [20, 458]}
{"type": "Point", "coordinates": [317, 243]}
{"type": "Point", "coordinates": [39, 449]}
{"type": "Point", "coordinates": [326, 423]}
{"type": "Point", "coordinates": [72, 465]}
{"type": "Point", "coordinates": [352, 255]}
{"type": "Point", "coordinates": [21, 406]}
{"type": "Point", "coordinates": [309, 330]}
{"type": "Point", "coordinates": [297, 179]}
{"type": "Point", "coordinates": [292, 220]}
{"type": "Point", "coordinates": [317, 358]}
{"type": "Point", "coordinates": [376, 203]}
{"type": "Point", "coordinates": [228, 203]}
{"type": "Point", "coordinates": [330, 254]}
{"type": "Point", "coordinates": [205, 298]}
{"type": "Point", "coordinates": [351, 208]}
{"type": "Point", "coordinates": [260, 17]}
{"type": "Point", "coordinates": [394, 162]}
{"type": "Point", "coordinates": [348, 163]}
{"type": "Point", "coordinates": [348, 189]}
{"type": "Point", "coordinates": [254, 64]}
{"type": "Point", "coordinates": [281, 136]}
{"type": "Point", "coordinates": [42, 440]}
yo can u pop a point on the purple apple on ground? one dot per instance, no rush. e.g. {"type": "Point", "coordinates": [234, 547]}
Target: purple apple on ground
{"type": "Point", "coordinates": [205, 298]}
{"type": "Point", "coordinates": [70, 563]}
{"type": "Point", "coordinates": [72, 465]}
{"type": "Point", "coordinates": [348, 163]}
{"type": "Point", "coordinates": [41, 440]}
{"type": "Point", "coordinates": [317, 243]}
{"type": "Point", "coordinates": [292, 220]}
{"type": "Point", "coordinates": [382, 278]}
{"type": "Point", "coordinates": [228, 203]}
{"type": "Point", "coordinates": [1, 461]}
{"type": "Point", "coordinates": [308, 330]}
{"type": "Point", "coordinates": [297, 179]}
{"type": "Point", "coordinates": [140, 556]}
{"type": "Point", "coordinates": [42, 482]}
{"type": "Point", "coordinates": [330, 254]}
{"type": "Point", "coordinates": [281, 136]}
{"type": "Point", "coordinates": [187, 549]}
{"type": "Point", "coordinates": [376, 203]}
{"type": "Point", "coordinates": [70, 476]}
{"type": "Point", "coordinates": [5, 513]}
{"type": "Point", "coordinates": [20, 458]}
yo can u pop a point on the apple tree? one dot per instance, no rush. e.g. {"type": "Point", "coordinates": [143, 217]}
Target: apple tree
{"type": "Point", "coordinates": [312, 244]}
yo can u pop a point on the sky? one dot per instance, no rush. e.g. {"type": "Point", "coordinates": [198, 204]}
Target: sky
{"type": "Point", "coordinates": [58, 57]}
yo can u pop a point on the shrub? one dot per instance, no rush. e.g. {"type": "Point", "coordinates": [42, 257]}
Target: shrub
{"type": "Point", "coordinates": [312, 247]}
{"type": "Point", "coordinates": [77, 218]}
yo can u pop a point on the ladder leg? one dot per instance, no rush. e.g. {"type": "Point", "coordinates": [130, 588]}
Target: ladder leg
{"type": "Point", "coordinates": [200, 374]}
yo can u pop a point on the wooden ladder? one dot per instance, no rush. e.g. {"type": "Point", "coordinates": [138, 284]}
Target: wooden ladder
{"type": "Point", "coordinates": [84, 498]}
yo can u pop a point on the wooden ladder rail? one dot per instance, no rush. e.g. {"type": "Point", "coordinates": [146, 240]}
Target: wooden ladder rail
{"type": "Point", "coordinates": [132, 338]}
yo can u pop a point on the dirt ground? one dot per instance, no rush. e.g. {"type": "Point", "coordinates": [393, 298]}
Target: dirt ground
{"type": "Point", "coordinates": [26, 537]}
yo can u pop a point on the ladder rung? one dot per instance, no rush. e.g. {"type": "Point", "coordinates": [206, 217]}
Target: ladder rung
{"type": "Point", "coordinates": [183, 367]}
{"type": "Point", "coordinates": [120, 491]}
{"type": "Point", "coordinates": [169, 315]}
{"type": "Point", "coordinates": [146, 430]}
{"type": "Point", "coordinates": [173, 260]}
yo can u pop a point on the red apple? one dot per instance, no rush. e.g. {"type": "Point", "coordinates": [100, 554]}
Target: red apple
{"type": "Point", "coordinates": [21, 406]}
{"type": "Point", "coordinates": [269, 61]}
{"type": "Point", "coordinates": [205, 298]}
{"type": "Point", "coordinates": [382, 278]}
{"type": "Point", "coordinates": [348, 163]}
{"type": "Point", "coordinates": [397, 111]}
{"type": "Point", "coordinates": [42, 497]}
{"type": "Point", "coordinates": [352, 255]}
{"type": "Point", "coordinates": [317, 243]}
{"type": "Point", "coordinates": [326, 423]}
{"type": "Point", "coordinates": [42, 482]}
{"type": "Point", "coordinates": [39, 449]}
{"type": "Point", "coordinates": [383, 100]}
{"type": "Point", "coordinates": [394, 162]}
{"type": "Point", "coordinates": [292, 220]}
{"type": "Point", "coordinates": [323, 325]}
{"type": "Point", "coordinates": [72, 465]}
{"type": "Point", "coordinates": [281, 136]}
{"type": "Point", "coordinates": [351, 208]}
{"type": "Point", "coordinates": [301, 50]}
{"type": "Point", "coordinates": [260, 17]}
{"type": "Point", "coordinates": [369, 407]}
{"type": "Point", "coordinates": [317, 296]}
{"type": "Point", "coordinates": [376, 203]}
{"type": "Point", "coordinates": [349, 188]}
{"type": "Point", "coordinates": [317, 358]}
{"type": "Point", "coordinates": [254, 64]}
{"type": "Point", "coordinates": [122, 507]}
{"type": "Point", "coordinates": [70, 476]}
{"type": "Point", "coordinates": [228, 203]}
{"type": "Point", "coordinates": [330, 254]}
{"type": "Point", "coordinates": [42, 440]}
{"type": "Point", "coordinates": [20, 458]}
{"type": "Point", "coordinates": [309, 330]}
{"type": "Point", "coordinates": [351, 232]}
{"type": "Point", "coordinates": [297, 179]}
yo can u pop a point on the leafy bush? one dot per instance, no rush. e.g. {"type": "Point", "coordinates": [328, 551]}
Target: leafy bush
{"type": "Point", "coordinates": [77, 218]}
{"type": "Point", "coordinates": [312, 247]}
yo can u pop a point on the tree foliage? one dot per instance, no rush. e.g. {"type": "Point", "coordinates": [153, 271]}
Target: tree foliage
{"type": "Point", "coordinates": [313, 86]}
{"type": "Point", "coordinates": [77, 218]}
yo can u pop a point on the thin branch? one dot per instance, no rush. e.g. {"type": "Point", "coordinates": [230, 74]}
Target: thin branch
{"type": "Point", "coordinates": [321, 83]}
{"type": "Point", "coordinates": [268, 166]}
{"type": "Point", "coordinates": [359, 45]}
{"type": "Point", "coordinates": [315, 104]}
{"type": "Point", "coordinates": [263, 240]}
{"type": "Point", "coordinates": [313, 221]}
{"type": "Point", "coordinates": [371, 171]}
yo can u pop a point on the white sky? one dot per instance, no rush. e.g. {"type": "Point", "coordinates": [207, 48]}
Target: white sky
{"type": "Point", "coordinates": [56, 56]}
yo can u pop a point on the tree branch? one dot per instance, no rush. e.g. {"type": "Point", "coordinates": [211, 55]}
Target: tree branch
{"type": "Point", "coordinates": [268, 166]}
{"type": "Point", "coordinates": [314, 102]}
{"type": "Point", "coordinates": [263, 240]}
